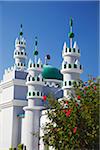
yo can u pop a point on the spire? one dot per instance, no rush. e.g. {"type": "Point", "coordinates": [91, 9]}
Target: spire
{"type": "Point", "coordinates": [47, 57]}
{"type": "Point", "coordinates": [71, 34]}
{"type": "Point", "coordinates": [35, 53]}
{"type": "Point", "coordinates": [21, 33]}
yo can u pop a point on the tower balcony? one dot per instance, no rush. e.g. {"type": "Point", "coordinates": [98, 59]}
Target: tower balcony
{"type": "Point", "coordinates": [20, 42]}
{"type": "Point", "coordinates": [35, 94]}
{"type": "Point", "coordinates": [71, 52]}
{"type": "Point", "coordinates": [21, 65]}
{"type": "Point", "coordinates": [20, 54]}
{"type": "Point", "coordinates": [34, 66]}
{"type": "Point", "coordinates": [68, 84]}
{"type": "Point", "coordinates": [35, 81]}
{"type": "Point", "coordinates": [68, 68]}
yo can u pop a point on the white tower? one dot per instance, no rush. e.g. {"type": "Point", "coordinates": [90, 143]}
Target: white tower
{"type": "Point", "coordinates": [31, 122]}
{"type": "Point", "coordinates": [19, 52]}
{"type": "Point", "coordinates": [71, 68]}
{"type": "Point", "coordinates": [13, 98]}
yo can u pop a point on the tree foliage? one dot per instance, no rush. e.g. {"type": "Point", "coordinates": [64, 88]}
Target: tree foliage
{"type": "Point", "coordinates": [74, 122]}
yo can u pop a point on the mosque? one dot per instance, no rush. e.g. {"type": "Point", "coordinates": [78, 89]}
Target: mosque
{"type": "Point", "coordinates": [24, 88]}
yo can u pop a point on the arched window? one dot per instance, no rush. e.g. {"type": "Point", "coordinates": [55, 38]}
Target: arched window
{"type": "Point", "coordinates": [80, 67]}
{"type": "Point", "coordinates": [18, 53]}
{"type": "Point", "coordinates": [30, 65]}
{"type": "Point", "coordinates": [21, 64]}
{"type": "Point", "coordinates": [25, 53]}
{"type": "Point", "coordinates": [21, 42]}
{"type": "Point", "coordinates": [37, 93]}
{"type": "Point", "coordinates": [33, 93]}
{"type": "Point", "coordinates": [41, 93]}
{"type": "Point", "coordinates": [64, 66]}
{"type": "Point", "coordinates": [29, 93]}
{"type": "Point", "coordinates": [65, 83]}
{"type": "Point", "coordinates": [18, 64]}
{"type": "Point", "coordinates": [66, 49]}
{"type": "Point", "coordinates": [75, 66]}
{"type": "Point", "coordinates": [21, 53]}
{"type": "Point", "coordinates": [38, 79]}
{"type": "Point", "coordinates": [34, 65]}
{"type": "Point", "coordinates": [29, 78]}
{"type": "Point", "coordinates": [69, 49]}
{"type": "Point", "coordinates": [70, 83]}
{"type": "Point", "coordinates": [38, 65]}
{"type": "Point", "coordinates": [33, 79]}
{"type": "Point", "coordinates": [69, 66]}
{"type": "Point", "coordinates": [74, 50]}
{"type": "Point", "coordinates": [78, 51]}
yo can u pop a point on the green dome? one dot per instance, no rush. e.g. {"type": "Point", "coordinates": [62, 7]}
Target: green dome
{"type": "Point", "coordinates": [50, 72]}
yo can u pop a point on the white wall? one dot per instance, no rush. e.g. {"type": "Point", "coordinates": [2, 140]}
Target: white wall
{"type": "Point", "coordinates": [16, 130]}
{"type": "Point", "coordinates": [7, 94]}
{"type": "Point", "coordinates": [6, 126]}
{"type": "Point", "coordinates": [43, 120]}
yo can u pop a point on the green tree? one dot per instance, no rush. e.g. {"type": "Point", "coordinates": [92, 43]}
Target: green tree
{"type": "Point", "coordinates": [74, 122]}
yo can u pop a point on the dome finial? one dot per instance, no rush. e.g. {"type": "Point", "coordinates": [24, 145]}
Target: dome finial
{"type": "Point", "coordinates": [71, 34]}
{"type": "Point", "coordinates": [36, 50]}
{"type": "Point", "coordinates": [35, 53]}
{"type": "Point", "coordinates": [21, 33]}
{"type": "Point", "coordinates": [71, 22]}
{"type": "Point", "coordinates": [47, 57]}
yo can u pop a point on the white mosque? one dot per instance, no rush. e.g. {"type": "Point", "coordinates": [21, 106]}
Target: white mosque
{"type": "Point", "coordinates": [23, 88]}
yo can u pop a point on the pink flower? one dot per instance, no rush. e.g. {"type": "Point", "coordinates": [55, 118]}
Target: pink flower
{"type": "Point", "coordinates": [78, 97]}
{"type": "Point", "coordinates": [68, 113]}
{"type": "Point", "coordinates": [74, 130]}
{"type": "Point", "coordinates": [44, 97]}
{"type": "Point", "coordinates": [66, 103]}
{"type": "Point", "coordinates": [95, 88]}
{"type": "Point", "coordinates": [64, 110]}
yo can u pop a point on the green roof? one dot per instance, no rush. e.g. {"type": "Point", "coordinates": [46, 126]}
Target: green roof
{"type": "Point", "coordinates": [50, 72]}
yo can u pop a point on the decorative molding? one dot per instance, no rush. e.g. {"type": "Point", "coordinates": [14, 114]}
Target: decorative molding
{"type": "Point", "coordinates": [12, 82]}
{"type": "Point", "coordinates": [53, 80]}
{"type": "Point", "coordinates": [14, 102]}
{"type": "Point", "coordinates": [34, 108]}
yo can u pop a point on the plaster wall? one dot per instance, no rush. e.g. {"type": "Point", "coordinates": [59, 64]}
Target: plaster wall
{"type": "Point", "coordinates": [71, 76]}
{"type": "Point", "coordinates": [6, 124]}
{"type": "Point", "coordinates": [7, 94]}
{"type": "Point", "coordinates": [16, 134]}
{"type": "Point", "coordinates": [43, 120]}
{"type": "Point", "coordinates": [30, 129]}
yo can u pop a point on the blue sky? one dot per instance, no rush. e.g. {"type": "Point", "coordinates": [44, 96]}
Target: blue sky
{"type": "Point", "coordinates": [50, 22]}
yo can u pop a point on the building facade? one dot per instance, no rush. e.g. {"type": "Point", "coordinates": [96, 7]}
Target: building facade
{"type": "Point", "coordinates": [23, 87]}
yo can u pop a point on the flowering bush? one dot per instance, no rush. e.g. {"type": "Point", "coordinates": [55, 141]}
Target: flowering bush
{"type": "Point", "coordinates": [74, 123]}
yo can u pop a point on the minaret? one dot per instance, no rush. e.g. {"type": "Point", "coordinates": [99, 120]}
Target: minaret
{"type": "Point", "coordinates": [31, 122]}
{"type": "Point", "coordinates": [71, 68]}
{"type": "Point", "coordinates": [19, 52]}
